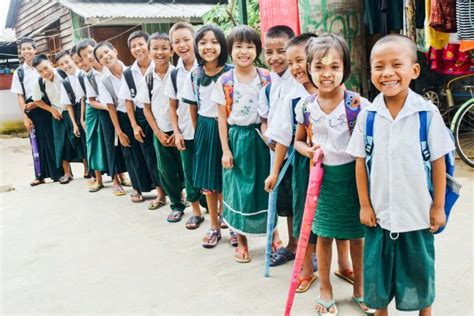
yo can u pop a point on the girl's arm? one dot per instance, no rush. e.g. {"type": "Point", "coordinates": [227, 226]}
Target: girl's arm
{"type": "Point", "coordinates": [367, 214]}
{"type": "Point", "coordinates": [137, 130]}
{"type": "Point", "coordinates": [437, 215]}
{"type": "Point", "coordinates": [227, 158]}
{"type": "Point", "coordinates": [280, 152]}
{"type": "Point", "coordinates": [70, 110]}
{"type": "Point", "coordinates": [193, 111]}
{"type": "Point", "coordinates": [118, 130]}
{"type": "Point", "coordinates": [178, 137]}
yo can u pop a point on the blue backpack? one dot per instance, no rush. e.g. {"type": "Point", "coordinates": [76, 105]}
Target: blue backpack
{"type": "Point", "coordinates": [452, 186]}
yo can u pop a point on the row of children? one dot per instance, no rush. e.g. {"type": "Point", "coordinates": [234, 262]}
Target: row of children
{"type": "Point", "coordinates": [209, 125]}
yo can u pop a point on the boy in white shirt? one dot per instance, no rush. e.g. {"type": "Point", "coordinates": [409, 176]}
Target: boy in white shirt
{"type": "Point", "coordinates": [400, 214]}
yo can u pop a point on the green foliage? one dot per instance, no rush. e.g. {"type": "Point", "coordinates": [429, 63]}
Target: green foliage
{"type": "Point", "coordinates": [227, 16]}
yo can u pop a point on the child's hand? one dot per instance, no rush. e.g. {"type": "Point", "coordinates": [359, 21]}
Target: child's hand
{"type": "Point", "coordinates": [56, 114]}
{"type": "Point", "coordinates": [367, 217]}
{"type": "Point", "coordinates": [270, 182]}
{"type": "Point", "coordinates": [271, 145]}
{"type": "Point", "coordinates": [312, 150]}
{"type": "Point", "coordinates": [179, 142]}
{"type": "Point", "coordinates": [171, 142]}
{"type": "Point", "coordinates": [227, 160]}
{"type": "Point", "coordinates": [163, 138]}
{"type": "Point", "coordinates": [28, 124]}
{"type": "Point", "coordinates": [138, 133]}
{"type": "Point", "coordinates": [123, 138]}
{"type": "Point", "coordinates": [76, 131]}
{"type": "Point", "coordinates": [83, 123]}
{"type": "Point", "coordinates": [437, 218]}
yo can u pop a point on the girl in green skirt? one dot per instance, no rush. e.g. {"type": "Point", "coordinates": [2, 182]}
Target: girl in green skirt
{"type": "Point", "coordinates": [211, 55]}
{"type": "Point", "coordinates": [245, 156]}
{"type": "Point", "coordinates": [325, 121]}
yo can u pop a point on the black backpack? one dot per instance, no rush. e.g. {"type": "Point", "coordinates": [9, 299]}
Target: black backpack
{"type": "Point", "coordinates": [174, 78]}
{"type": "Point", "coordinates": [21, 77]}
{"type": "Point", "coordinates": [67, 85]}
{"type": "Point", "coordinates": [130, 82]}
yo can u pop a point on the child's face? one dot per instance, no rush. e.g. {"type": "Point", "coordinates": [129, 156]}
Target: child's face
{"type": "Point", "coordinates": [297, 63]}
{"type": "Point", "coordinates": [87, 55]}
{"type": "Point", "coordinates": [27, 51]}
{"type": "Point", "coordinates": [275, 56]}
{"type": "Point", "coordinates": [392, 69]}
{"type": "Point", "coordinates": [183, 44]}
{"type": "Point", "coordinates": [106, 56]}
{"type": "Point", "coordinates": [67, 65]}
{"type": "Point", "coordinates": [244, 54]}
{"type": "Point", "coordinates": [209, 48]}
{"type": "Point", "coordinates": [45, 70]}
{"type": "Point", "coordinates": [160, 51]}
{"type": "Point", "coordinates": [327, 71]}
{"type": "Point", "coordinates": [80, 63]}
{"type": "Point", "coordinates": [139, 49]}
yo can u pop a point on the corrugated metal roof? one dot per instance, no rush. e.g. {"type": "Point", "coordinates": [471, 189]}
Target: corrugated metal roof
{"type": "Point", "coordinates": [134, 10]}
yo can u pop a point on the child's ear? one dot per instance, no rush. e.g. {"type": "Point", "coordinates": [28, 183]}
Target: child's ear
{"type": "Point", "coordinates": [416, 70]}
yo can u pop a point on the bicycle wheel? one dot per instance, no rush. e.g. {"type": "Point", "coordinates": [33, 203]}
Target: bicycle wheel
{"type": "Point", "coordinates": [464, 134]}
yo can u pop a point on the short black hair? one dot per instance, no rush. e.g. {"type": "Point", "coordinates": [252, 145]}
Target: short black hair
{"type": "Point", "coordinates": [301, 39]}
{"type": "Point", "coordinates": [180, 26]}
{"type": "Point", "coordinates": [322, 44]}
{"type": "Point", "coordinates": [61, 54]}
{"type": "Point", "coordinates": [39, 59]}
{"type": "Point", "coordinates": [27, 40]}
{"type": "Point", "coordinates": [222, 59]}
{"type": "Point", "coordinates": [278, 31]}
{"type": "Point", "coordinates": [73, 50]}
{"type": "Point", "coordinates": [158, 36]}
{"type": "Point", "coordinates": [401, 40]}
{"type": "Point", "coordinates": [84, 43]}
{"type": "Point", "coordinates": [137, 34]}
{"type": "Point", "coordinates": [244, 34]}
{"type": "Point", "coordinates": [101, 44]}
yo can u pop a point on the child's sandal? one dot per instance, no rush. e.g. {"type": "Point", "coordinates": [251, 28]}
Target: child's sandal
{"type": "Point", "coordinates": [327, 305]}
{"type": "Point", "coordinates": [241, 255]}
{"type": "Point", "coordinates": [362, 306]}
{"type": "Point", "coordinates": [347, 275]}
{"type": "Point", "coordinates": [310, 279]}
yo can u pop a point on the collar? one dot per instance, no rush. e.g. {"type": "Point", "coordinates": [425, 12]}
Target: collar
{"type": "Point", "coordinates": [156, 76]}
{"type": "Point", "coordinates": [180, 65]}
{"type": "Point", "coordinates": [276, 78]}
{"type": "Point", "coordinates": [108, 73]}
{"type": "Point", "coordinates": [136, 68]}
{"type": "Point", "coordinates": [25, 66]}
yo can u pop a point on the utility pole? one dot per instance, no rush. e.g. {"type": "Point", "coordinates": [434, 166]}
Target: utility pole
{"type": "Point", "coordinates": [243, 12]}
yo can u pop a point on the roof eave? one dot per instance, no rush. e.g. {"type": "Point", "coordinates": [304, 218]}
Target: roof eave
{"type": "Point", "coordinates": [11, 16]}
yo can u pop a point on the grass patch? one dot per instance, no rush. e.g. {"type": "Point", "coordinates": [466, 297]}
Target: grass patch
{"type": "Point", "coordinates": [12, 127]}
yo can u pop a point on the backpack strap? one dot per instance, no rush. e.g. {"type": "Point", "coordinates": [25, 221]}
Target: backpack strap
{"type": "Point", "coordinates": [91, 78]}
{"type": "Point", "coordinates": [268, 88]}
{"type": "Point", "coordinates": [369, 140]}
{"type": "Point", "coordinates": [69, 90]}
{"type": "Point", "coordinates": [228, 85]}
{"type": "Point", "coordinates": [294, 103]}
{"type": "Point", "coordinates": [149, 83]}
{"type": "Point", "coordinates": [352, 107]}
{"type": "Point", "coordinates": [110, 88]}
{"type": "Point", "coordinates": [127, 73]}
{"type": "Point", "coordinates": [196, 78]}
{"type": "Point", "coordinates": [82, 82]}
{"type": "Point", "coordinates": [21, 78]}
{"type": "Point", "coordinates": [425, 151]}
{"type": "Point", "coordinates": [174, 78]}
{"type": "Point", "coordinates": [42, 87]}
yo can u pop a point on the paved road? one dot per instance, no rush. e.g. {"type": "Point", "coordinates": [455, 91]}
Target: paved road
{"type": "Point", "coordinates": [66, 251]}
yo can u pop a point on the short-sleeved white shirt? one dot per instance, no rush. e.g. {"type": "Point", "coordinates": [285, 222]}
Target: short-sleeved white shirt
{"type": "Point", "coordinates": [398, 189]}
{"type": "Point", "coordinates": [76, 87]}
{"type": "Point", "coordinates": [330, 131]}
{"type": "Point", "coordinates": [90, 91]}
{"type": "Point", "coordinates": [245, 104]}
{"type": "Point", "coordinates": [104, 94]}
{"type": "Point", "coordinates": [207, 107]}
{"type": "Point", "coordinates": [279, 89]}
{"type": "Point", "coordinates": [282, 127]}
{"type": "Point", "coordinates": [53, 91]}
{"type": "Point", "coordinates": [138, 77]}
{"type": "Point", "coordinates": [184, 117]}
{"type": "Point", "coordinates": [30, 81]}
{"type": "Point", "coordinates": [159, 101]}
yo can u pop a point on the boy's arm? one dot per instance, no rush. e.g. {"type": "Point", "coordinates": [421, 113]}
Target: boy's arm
{"type": "Point", "coordinates": [118, 130]}
{"type": "Point", "coordinates": [367, 214]}
{"type": "Point", "coordinates": [97, 105]}
{"type": "Point", "coordinates": [26, 120]}
{"type": "Point", "coordinates": [178, 137]}
{"type": "Point", "coordinates": [55, 113]}
{"type": "Point", "coordinates": [438, 173]}
{"type": "Point", "coordinates": [72, 116]}
{"type": "Point", "coordinates": [137, 130]}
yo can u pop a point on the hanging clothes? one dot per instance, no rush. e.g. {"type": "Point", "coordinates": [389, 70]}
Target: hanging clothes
{"type": "Point", "coordinates": [443, 15]}
{"type": "Point", "coordinates": [383, 16]}
{"type": "Point", "coordinates": [465, 23]}
{"type": "Point", "coordinates": [434, 38]}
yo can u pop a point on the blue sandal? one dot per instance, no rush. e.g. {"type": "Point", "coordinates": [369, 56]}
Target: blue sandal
{"type": "Point", "coordinates": [327, 305]}
{"type": "Point", "coordinates": [281, 256]}
{"type": "Point", "coordinates": [359, 301]}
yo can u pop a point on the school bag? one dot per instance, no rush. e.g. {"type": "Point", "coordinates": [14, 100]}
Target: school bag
{"type": "Point", "coordinates": [127, 73]}
{"type": "Point", "coordinates": [452, 186]}
{"type": "Point", "coordinates": [196, 79]}
{"type": "Point", "coordinates": [67, 86]}
{"type": "Point", "coordinates": [174, 78]}
{"type": "Point", "coordinates": [227, 79]}
{"type": "Point", "coordinates": [21, 78]}
{"type": "Point", "coordinates": [82, 83]}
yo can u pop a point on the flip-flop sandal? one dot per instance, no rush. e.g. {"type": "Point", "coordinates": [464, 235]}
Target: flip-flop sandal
{"type": "Point", "coordinates": [87, 176]}
{"type": "Point", "coordinates": [233, 238]}
{"type": "Point", "coordinates": [118, 191]}
{"type": "Point", "coordinates": [347, 275]}
{"type": "Point", "coordinates": [65, 179]}
{"type": "Point", "coordinates": [327, 305]}
{"type": "Point", "coordinates": [37, 182]}
{"type": "Point", "coordinates": [211, 239]}
{"type": "Point", "coordinates": [309, 279]}
{"type": "Point", "coordinates": [194, 222]}
{"type": "Point", "coordinates": [359, 301]}
{"type": "Point", "coordinates": [96, 187]}
{"type": "Point", "coordinates": [242, 255]}
{"type": "Point", "coordinates": [125, 183]}
{"type": "Point", "coordinates": [175, 216]}
{"type": "Point", "coordinates": [281, 256]}
{"type": "Point", "coordinates": [137, 197]}
{"type": "Point", "coordinates": [156, 204]}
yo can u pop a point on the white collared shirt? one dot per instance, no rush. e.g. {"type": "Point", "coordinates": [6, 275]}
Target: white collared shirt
{"type": "Point", "coordinates": [53, 91]}
{"type": "Point", "coordinates": [104, 94]}
{"type": "Point", "coordinates": [90, 91]}
{"type": "Point", "coordinates": [330, 131]}
{"type": "Point", "coordinates": [30, 81]}
{"type": "Point", "coordinates": [138, 77]}
{"type": "Point", "coordinates": [282, 127]}
{"type": "Point", "coordinates": [76, 87]}
{"type": "Point", "coordinates": [184, 117]}
{"type": "Point", "coordinates": [279, 89]}
{"type": "Point", "coordinates": [398, 189]}
{"type": "Point", "coordinates": [159, 101]}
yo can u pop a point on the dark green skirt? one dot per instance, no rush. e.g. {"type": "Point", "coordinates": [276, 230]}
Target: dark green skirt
{"type": "Point", "coordinates": [193, 193]}
{"type": "Point", "coordinates": [114, 155]}
{"type": "Point", "coordinates": [337, 213]}
{"type": "Point", "coordinates": [95, 144]}
{"type": "Point", "coordinates": [245, 200]}
{"type": "Point", "coordinates": [207, 171]}
{"type": "Point", "coordinates": [148, 148]}
{"type": "Point", "coordinates": [134, 160]}
{"type": "Point", "coordinates": [42, 121]}
{"type": "Point", "coordinates": [299, 185]}
{"type": "Point", "coordinates": [82, 132]}
{"type": "Point", "coordinates": [67, 146]}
